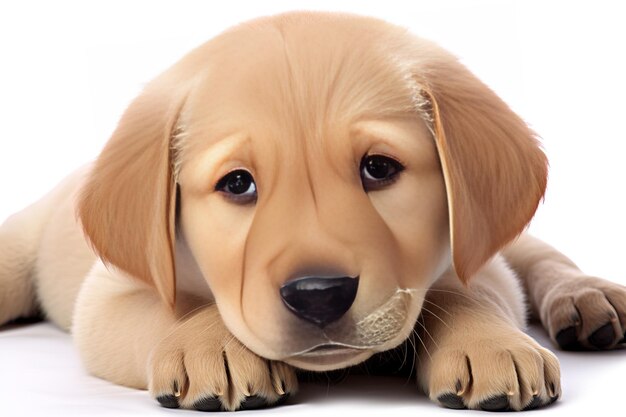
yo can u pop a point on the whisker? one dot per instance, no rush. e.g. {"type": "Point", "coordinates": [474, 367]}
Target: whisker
{"type": "Point", "coordinates": [423, 344]}
{"type": "Point", "coordinates": [426, 300]}
{"type": "Point", "coordinates": [448, 292]}
{"type": "Point", "coordinates": [440, 319]}
{"type": "Point", "coordinates": [184, 319]}
{"type": "Point", "coordinates": [208, 328]}
{"type": "Point", "coordinates": [192, 311]}
{"type": "Point", "coordinates": [423, 326]}
{"type": "Point", "coordinates": [406, 352]}
{"type": "Point", "coordinates": [411, 340]}
{"type": "Point", "coordinates": [229, 341]}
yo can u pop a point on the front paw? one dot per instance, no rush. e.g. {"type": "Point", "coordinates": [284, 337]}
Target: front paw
{"type": "Point", "coordinates": [201, 366]}
{"type": "Point", "coordinates": [501, 372]}
{"type": "Point", "coordinates": [585, 313]}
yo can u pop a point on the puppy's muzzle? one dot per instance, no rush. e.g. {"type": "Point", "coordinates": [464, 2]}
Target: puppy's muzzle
{"type": "Point", "coordinates": [319, 300]}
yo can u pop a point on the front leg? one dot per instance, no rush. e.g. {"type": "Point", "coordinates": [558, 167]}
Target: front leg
{"type": "Point", "coordinates": [472, 352]}
{"type": "Point", "coordinates": [187, 359]}
{"type": "Point", "coordinates": [578, 311]}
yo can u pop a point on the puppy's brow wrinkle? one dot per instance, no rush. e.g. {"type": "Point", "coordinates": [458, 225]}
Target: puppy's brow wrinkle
{"type": "Point", "coordinates": [302, 113]}
{"type": "Point", "coordinates": [292, 89]}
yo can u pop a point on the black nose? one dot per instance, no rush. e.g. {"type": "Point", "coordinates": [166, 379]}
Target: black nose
{"type": "Point", "coordinates": [320, 300]}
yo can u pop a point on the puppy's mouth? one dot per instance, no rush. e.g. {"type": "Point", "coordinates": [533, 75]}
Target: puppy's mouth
{"type": "Point", "coordinates": [381, 330]}
{"type": "Point", "coordinates": [327, 349]}
{"type": "Point", "coordinates": [329, 355]}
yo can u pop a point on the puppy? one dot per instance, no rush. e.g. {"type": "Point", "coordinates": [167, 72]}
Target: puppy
{"type": "Point", "coordinates": [303, 192]}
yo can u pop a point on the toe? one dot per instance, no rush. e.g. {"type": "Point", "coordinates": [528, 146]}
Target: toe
{"type": "Point", "coordinates": [283, 377]}
{"type": "Point", "coordinates": [450, 378]}
{"type": "Point", "coordinates": [599, 319]}
{"type": "Point", "coordinates": [552, 375]}
{"type": "Point", "coordinates": [168, 379]}
{"type": "Point", "coordinates": [207, 380]}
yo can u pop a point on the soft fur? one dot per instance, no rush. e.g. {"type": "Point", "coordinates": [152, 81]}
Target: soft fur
{"type": "Point", "coordinates": [176, 288]}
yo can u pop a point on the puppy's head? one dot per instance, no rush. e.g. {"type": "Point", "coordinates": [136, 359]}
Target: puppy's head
{"type": "Point", "coordinates": [328, 169]}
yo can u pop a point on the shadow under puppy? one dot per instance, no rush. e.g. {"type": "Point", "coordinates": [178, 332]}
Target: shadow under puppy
{"type": "Point", "coordinates": [296, 193]}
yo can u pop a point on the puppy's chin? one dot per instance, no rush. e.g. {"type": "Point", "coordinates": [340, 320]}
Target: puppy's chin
{"type": "Point", "coordinates": [328, 359]}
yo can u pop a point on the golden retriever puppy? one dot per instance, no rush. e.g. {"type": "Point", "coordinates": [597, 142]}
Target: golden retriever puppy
{"type": "Point", "coordinates": [305, 191]}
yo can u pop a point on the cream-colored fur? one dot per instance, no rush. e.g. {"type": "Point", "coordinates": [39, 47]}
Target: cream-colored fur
{"type": "Point", "coordinates": [175, 287]}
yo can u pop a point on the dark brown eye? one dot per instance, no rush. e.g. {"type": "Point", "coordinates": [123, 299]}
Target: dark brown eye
{"type": "Point", "coordinates": [238, 185]}
{"type": "Point", "coordinates": [378, 171]}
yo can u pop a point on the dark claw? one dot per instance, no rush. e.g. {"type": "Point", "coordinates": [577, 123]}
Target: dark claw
{"type": "Point", "coordinates": [208, 404]}
{"type": "Point", "coordinates": [536, 402]}
{"type": "Point", "coordinates": [567, 339]}
{"type": "Point", "coordinates": [499, 403]}
{"type": "Point", "coordinates": [603, 337]}
{"type": "Point", "coordinates": [253, 402]}
{"type": "Point", "coordinates": [282, 399]}
{"type": "Point", "coordinates": [168, 401]}
{"type": "Point", "coordinates": [451, 400]}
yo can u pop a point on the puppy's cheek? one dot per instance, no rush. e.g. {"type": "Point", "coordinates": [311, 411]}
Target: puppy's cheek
{"type": "Point", "coordinates": [420, 227]}
{"type": "Point", "coordinates": [266, 329]}
{"type": "Point", "coordinates": [216, 232]}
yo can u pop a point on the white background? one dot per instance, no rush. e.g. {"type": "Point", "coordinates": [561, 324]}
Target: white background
{"type": "Point", "coordinates": [68, 70]}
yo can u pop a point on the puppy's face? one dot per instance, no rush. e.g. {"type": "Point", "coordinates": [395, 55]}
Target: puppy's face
{"type": "Point", "coordinates": [329, 167]}
{"type": "Point", "coordinates": [278, 191]}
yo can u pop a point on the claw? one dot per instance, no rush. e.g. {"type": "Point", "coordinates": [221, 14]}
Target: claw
{"type": "Point", "coordinates": [451, 400]}
{"type": "Point", "coordinates": [208, 404]}
{"type": "Point", "coordinates": [498, 403]}
{"type": "Point", "coordinates": [282, 399]}
{"type": "Point", "coordinates": [168, 401]}
{"type": "Point", "coordinates": [253, 402]}
{"type": "Point", "coordinates": [568, 339]}
{"type": "Point", "coordinates": [534, 403]}
{"type": "Point", "coordinates": [603, 337]}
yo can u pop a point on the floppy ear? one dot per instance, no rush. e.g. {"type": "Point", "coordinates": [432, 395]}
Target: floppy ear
{"type": "Point", "coordinates": [127, 206]}
{"type": "Point", "coordinates": [494, 170]}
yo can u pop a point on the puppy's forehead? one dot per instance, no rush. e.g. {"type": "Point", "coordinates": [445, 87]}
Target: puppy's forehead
{"type": "Point", "coordinates": [299, 75]}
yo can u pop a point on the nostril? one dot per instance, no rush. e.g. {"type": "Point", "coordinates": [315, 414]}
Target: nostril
{"type": "Point", "coordinates": [320, 300]}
